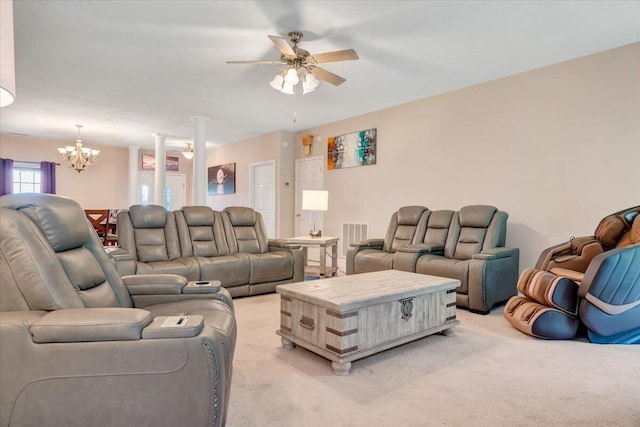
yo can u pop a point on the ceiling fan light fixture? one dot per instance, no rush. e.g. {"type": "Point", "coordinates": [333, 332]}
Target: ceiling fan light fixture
{"type": "Point", "coordinates": [277, 82]}
{"type": "Point", "coordinates": [292, 76]}
{"type": "Point", "coordinates": [306, 87]}
{"type": "Point", "coordinates": [287, 88]}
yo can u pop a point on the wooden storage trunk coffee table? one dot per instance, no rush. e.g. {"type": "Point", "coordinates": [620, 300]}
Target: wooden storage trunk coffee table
{"type": "Point", "coordinates": [347, 318]}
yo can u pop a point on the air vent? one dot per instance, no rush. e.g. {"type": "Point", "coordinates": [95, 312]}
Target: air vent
{"type": "Point", "coordinates": [352, 233]}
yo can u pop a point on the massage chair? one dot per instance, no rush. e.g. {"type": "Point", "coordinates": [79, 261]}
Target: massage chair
{"type": "Point", "coordinates": [592, 281]}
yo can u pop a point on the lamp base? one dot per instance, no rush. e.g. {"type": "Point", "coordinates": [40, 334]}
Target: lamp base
{"type": "Point", "coordinates": [316, 234]}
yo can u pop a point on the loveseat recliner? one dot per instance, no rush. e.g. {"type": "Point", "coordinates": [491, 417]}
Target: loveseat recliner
{"type": "Point", "coordinates": [592, 281]}
{"type": "Point", "coordinates": [79, 346]}
{"type": "Point", "coordinates": [202, 244]}
{"type": "Point", "coordinates": [468, 245]}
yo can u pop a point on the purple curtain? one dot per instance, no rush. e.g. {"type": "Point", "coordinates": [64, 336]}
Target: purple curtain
{"type": "Point", "coordinates": [48, 177]}
{"type": "Point", "coordinates": [6, 176]}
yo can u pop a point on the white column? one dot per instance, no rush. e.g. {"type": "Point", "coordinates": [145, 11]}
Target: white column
{"type": "Point", "coordinates": [199, 161]}
{"type": "Point", "coordinates": [160, 182]}
{"type": "Point", "coordinates": [133, 174]}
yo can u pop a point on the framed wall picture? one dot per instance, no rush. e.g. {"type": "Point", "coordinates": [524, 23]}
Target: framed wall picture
{"type": "Point", "coordinates": [149, 163]}
{"type": "Point", "coordinates": [352, 149]}
{"type": "Point", "coordinates": [222, 179]}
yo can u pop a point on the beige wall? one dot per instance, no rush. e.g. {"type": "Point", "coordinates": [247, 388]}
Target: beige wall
{"type": "Point", "coordinates": [276, 146]}
{"type": "Point", "coordinates": [105, 185]}
{"type": "Point", "coordinates": [557, 148]}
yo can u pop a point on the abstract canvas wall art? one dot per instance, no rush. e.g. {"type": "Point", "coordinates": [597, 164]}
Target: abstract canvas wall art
{"type": "Point", "coordinates": [352, 149]}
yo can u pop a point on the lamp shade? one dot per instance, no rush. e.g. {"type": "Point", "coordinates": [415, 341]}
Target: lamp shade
{"type": "Point", "coordinates": [7, 58]}
{"type": "Point", "coordinates": [315, 200]}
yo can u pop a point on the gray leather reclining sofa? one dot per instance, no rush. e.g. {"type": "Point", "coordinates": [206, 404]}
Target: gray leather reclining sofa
{"type": "Point", "coordinates": [202, 244]}
{"type": "Point", "coordinates": [468, 245]}
{"type": "Point", "coordinates": [80, 346]}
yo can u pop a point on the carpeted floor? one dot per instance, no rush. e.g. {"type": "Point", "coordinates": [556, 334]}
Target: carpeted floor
{"type": "Point", "coordinates": [487, 374]}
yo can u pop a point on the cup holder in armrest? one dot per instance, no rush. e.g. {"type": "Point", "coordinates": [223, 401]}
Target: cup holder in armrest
{"type": "Point", "coordinates": [202, 287]}
{"type": "Point", "coordinates": [174, 327]}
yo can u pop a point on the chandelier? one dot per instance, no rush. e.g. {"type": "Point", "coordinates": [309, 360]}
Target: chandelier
{"type": "Point", "coordinates": [79, 157]}
{"type": "Point", "coordinates": [188, 154]}
{"type": "Point", "coordinates": [286, 81]}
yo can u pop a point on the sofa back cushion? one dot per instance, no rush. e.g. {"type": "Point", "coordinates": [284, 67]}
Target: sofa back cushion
{"type": "Point", "coordinates": [245, 230]}
{"type": "Point", "coordinates": [201, 232]}
{"type": "Point", "coordinates": [438, 227]}
{"type": "Point", "coordinates": [406, 225]}
{"type": "Point", "coordinates": [60, 260]}
{"type": "Point", "coordinates": [472, 224]}
{"type": "Point", "coordinates": [149, 233]}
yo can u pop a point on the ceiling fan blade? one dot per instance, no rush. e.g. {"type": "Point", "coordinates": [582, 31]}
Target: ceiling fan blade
{"type": "Point", "coordinates": [282, 45]}
{"type": "Point", "coordinates": [339, 55]}
{"type": "Point", "coordinates": [327, 76]}
{"type": "Point", "coordinates": [257, 62]}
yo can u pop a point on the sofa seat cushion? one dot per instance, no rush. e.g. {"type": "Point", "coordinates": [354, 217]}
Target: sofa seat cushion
{"type": "Point", "coordinates": [230, 270]}
{"type": "Point", "coordinates": [270, 267]}
{"type": "Point", "coordinates": [437, 265]}
{"type": "Point", "coordinates": [370, 260]}
{"type": "Point", "coordinates": [185, 267]}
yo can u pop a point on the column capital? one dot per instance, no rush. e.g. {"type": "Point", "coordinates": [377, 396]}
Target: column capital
{"type": "Point", "coordinates": [199, 118]}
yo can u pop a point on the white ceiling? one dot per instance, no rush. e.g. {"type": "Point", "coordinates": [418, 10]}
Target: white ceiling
{"type": "Point", "coordinates": [129, 69]}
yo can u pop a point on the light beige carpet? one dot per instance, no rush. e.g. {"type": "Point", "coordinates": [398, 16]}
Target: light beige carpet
{"type": "Point", "coordinates": [487, 374]}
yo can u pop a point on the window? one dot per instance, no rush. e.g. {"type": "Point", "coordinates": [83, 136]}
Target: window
{"type": "Point", "coordinates": [26, 180]}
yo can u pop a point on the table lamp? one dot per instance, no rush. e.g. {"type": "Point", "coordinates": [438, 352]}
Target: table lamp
{"type": "Point", "coordinates": [315, 201]}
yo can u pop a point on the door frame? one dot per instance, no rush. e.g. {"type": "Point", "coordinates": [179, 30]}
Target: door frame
{"type": "Point", "coordinates": [252, 190]}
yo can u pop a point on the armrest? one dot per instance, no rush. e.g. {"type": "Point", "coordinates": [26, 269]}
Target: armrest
{"type": "Point", "coordinates": [90, 324]}
{"type": "Point", "coordinates": [493, 253]}
{"type": "Point", "coordinates": [282, 244]}
{"type": "Point", "coordinates": [154, 284]}
{"type": "Point", "coordinates": [369, 243]}
{"type": "Point", "coordinates": [423, 248]}
{"type": "Point", "coordinates": [118, 254]}
{"type": "Point", "coordinates": [174, 327]}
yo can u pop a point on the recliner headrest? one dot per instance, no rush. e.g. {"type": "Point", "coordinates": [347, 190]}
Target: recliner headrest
{"type": "Point", "coordinates": [610, 230]}
{"type": "Point", "coordinates": [61, 220]}
{"type": "Point", "coordinates": [440, 219]}
{"type": "Point", "coordinates": [410, 215]}
{"type": "Point", "coordinates": [148, 216]}
{"type": "Point", "coordinates": [198, 215]}
{"type": "Point", "coordinates": [241, 216]}
{"type": "Point", "coordinates": [634, 233]}
{"type": "Point", "coordinates": [477, 215]}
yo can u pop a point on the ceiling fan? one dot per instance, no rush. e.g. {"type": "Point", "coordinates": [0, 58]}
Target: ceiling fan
{"type": "Point", "coordinates": [301, 66]}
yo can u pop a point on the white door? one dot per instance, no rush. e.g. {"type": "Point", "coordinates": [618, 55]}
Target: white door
{"type": "Point", "coordinates": [309, 176]}
{"type": "Point", "coordinates": [175, 189]}
{"type": "Point", "coordinates": [263, 193]}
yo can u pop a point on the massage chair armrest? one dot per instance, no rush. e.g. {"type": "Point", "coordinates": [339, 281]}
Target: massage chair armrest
{"type": "Point", "coordinates": [282, 244]}
{"type": "Point", "coordinates": [493, 253]}
{"type": "Point", "coordinates": [585, 246]}
{"type": "Point", "coordinates": [90, 325]}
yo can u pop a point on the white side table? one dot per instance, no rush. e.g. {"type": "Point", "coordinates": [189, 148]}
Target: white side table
{"type": "Point", "coordinates": [322, 243]}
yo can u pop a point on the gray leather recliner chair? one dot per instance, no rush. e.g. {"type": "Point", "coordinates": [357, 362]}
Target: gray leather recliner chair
{"type": "Point", "coordinates": [79, 346]}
